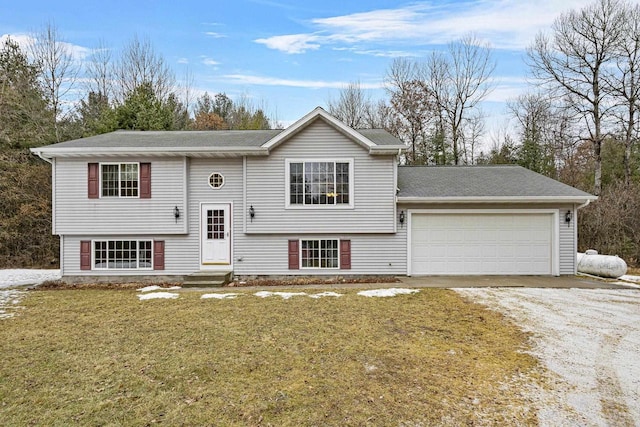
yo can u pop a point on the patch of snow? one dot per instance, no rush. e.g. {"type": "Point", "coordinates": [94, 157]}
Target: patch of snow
{"type": "Point", "coordinates": [325, 294]}
{"type": "Point", "coordinates": [589, 340]}
{"type": "Point", "coordinates": [10, 278]}
{"type": "Point", "coordinates": [157, 288]}
{"type": "Point", "coordinates": [630, 278]}
{"type": "Point", "coordinates": [391, 292]}
{"type": "Point", "coordinates": [9, 300]}
{"type": "Point", "coordinates": [284, 295]}
{"type": "Point", "coordinates": [158, 295]}
{"type": "Point", "coordinates": [219, 296]}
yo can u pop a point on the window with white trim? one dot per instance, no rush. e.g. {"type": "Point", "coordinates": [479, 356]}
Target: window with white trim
{"type": "Point", "coordinates": [319, 183]}
{"type": "Point", "coordinates": [319, 253]}
{"type": "Point", "coordinates": [119, 179]}
{"type": "Point", "coordinates": [122, 254]}
{"type": "Point", "coordinates": [216, 180]}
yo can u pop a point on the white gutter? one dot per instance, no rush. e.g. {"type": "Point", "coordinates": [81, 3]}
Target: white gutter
{"type": "Point", "coordinates": [495, 199]}
{"type": "Point", "coordinates": [585, 204]}
{"type": "Point", "coordinates": [39, 154]}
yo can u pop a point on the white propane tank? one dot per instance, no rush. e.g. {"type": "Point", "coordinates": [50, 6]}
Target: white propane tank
{"type": "Point", "coordinates": [601, 265]}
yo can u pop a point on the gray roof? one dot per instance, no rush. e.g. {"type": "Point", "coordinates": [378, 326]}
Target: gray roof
{"type": "Point", "coordinates": [172, 139]}
{"type": "Point", "coordinates": [380, 137]}
{"type": "Point", "coordinates": [198, 139]}
{"type": "Point", "coordinates": [488, 182]}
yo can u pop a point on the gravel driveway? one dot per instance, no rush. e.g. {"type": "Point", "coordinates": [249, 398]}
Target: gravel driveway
{"type": "Point", "coordinates": [589, 340]}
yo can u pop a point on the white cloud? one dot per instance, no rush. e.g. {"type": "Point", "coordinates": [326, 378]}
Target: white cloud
{"type": "Point", "coordinates": [78, 53]}
{"type": "Point", "coordinates": [214, 34]}
{"type": "Point", "coordinates": [508, 24]}
{"type": "Point", "coordinates": [293, 43]}
{"type": "Point", "coordinates": [209, 61]}
{"type": "Point", "coordinates": [308, 84]}
{"type": "Point", "coordinates": [183, 61]}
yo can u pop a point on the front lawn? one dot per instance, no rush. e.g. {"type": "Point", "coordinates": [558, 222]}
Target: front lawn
{"type": "Point", "coordinates": [102, 357]}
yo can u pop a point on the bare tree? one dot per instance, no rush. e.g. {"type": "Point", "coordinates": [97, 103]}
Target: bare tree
{"type": "Point", "coordinates": [572, 60]}
{"type": "Point", "coordinates": [58, 69]}
{"type": "Point", "coordinates": [410, 116]}
{"type": "Point", "coordinates": [351, 107]}
{"type": "Point", "coordinates": [99, 71]}
{"type": "Point", "coordinates": [459, 79]}
{"type": "Point", "coordinates": [140, 64]}
{"type": "Point", "coordinates": [623, 82]}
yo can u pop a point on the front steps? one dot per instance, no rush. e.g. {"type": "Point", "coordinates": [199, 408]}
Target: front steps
{"type": "Point", "coordinates": [203, 279]}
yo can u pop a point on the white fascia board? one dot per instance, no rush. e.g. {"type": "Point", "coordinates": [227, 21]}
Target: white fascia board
{"type": "Point", "coordinates": [146, 151]}
{"type": "Point", "coordinates": [308, 118]}
{"type": "Point", "coordinates": [500, 199]}
{"type": "Point", "coordinates": [386, 150]}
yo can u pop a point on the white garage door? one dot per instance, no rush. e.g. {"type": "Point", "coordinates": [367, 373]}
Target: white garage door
{"type": "Point", "coordinates": [481, 243]}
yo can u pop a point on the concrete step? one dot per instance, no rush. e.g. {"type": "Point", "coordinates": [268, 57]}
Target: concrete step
{"type": "Point", "coordinates": [207, 279]}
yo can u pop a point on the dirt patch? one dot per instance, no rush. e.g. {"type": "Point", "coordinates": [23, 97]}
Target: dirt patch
{"type": "Point", "coordinates": [59, 285]}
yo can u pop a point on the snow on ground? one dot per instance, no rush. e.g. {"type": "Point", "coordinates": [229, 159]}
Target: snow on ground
{"type": "Point", "coordinates": [325, 294]}
{"type": "Point", "coordinates": [22, 277]}
{"type": "Point", "coordinates": [158, 295]}
{"type": "Point", "coordinates": [391, 292]}
{"type": "Point", "coordinates": [157, 288]}
{"type": "Point", "coordinates": [9, 300]}
{"type": "Point", "coordinates": [589, 340]}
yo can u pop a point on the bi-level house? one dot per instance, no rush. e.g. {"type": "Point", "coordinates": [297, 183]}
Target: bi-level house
{"type": "Point", "coordinates": [317, 198]}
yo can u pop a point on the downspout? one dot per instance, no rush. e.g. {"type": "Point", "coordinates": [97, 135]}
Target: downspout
{"type": "Point", "coordinates": [39, 154]}
{"type": "Point", "coordinates": [584, 205]}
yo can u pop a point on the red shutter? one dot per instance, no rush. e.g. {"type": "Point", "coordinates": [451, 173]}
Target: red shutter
{"type": "Point", "coordinates": [85, 255]}
{"type": "Point", "coordinates": [94, 181]}
{"type": "Point", "coordinates": [145, 180]}
{"type": "Point", "coordinates": [158, 255]}
{"type": "Point", "coordinates": [345, 254]}
{"type": "Point", "coordinates": [294, 255]}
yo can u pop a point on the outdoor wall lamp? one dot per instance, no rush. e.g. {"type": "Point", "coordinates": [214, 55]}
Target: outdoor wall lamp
{"type": "Point", "coordinates": [567, 218]}
{"type": "Point", "coordinates": [252, 213]}
{"type": "Point", "coordinates": [401, 218]}
{"type": "Point", "coordinates": [176, 213]}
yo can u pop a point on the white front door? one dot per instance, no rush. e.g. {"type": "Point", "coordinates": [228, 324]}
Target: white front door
{"type": "Point", "coordinates": [215, 226]}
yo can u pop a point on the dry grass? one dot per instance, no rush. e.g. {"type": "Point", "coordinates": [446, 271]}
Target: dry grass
{"type": "Point", "coordinates": [101, 357]}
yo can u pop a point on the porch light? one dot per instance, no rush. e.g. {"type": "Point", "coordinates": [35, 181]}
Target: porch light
{"type": "Point", "coordinates": [176, 213]}
{"type": "Point", "coordinates": [252, 213]}
{"type": "Point", "coordinates": [567, 218]}
{"type": "Point", "coordinates": [401, 218]}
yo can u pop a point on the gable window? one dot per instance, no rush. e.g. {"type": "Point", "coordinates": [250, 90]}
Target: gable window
{"type": "Point", "coordinates": [119, 179]}
{"type": "Point", "coordinates": [319, 183]}
{"type": "Point", "coordinates": [122, 254]}
{"type": "Point", "coordinates": [216, 180]}
{"type": "Point", "coordinates": [322, 253]}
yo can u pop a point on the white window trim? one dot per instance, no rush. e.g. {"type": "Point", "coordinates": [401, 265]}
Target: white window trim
{"type": "Point", "coordinates": [287, 174]}
{"type": "Point", "coordinates": [317, 268]}
{"type": "Point", "coordinates": [221, 185]}
{"type": "Point", "coordinates": [138, 268]}
{"type": "Point", "coordinates": [119, 196]}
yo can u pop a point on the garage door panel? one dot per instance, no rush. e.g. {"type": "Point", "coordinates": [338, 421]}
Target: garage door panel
{"type": "Point", "coordinates": [481, 243]}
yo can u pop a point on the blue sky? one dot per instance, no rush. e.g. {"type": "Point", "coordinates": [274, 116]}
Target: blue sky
{"type": "Point", "coordinates": [289, 55]}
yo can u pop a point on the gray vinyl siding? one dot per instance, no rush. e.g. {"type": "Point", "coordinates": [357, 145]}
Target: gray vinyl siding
{"type": "Point", "coordinates": [567, 247]}
{"type": "Point", "coordinates": [374, 187]}
{"type": "Point", "coordinates": [377, 254]}
{"type": "Point", "coordinates": [76, 214]}
{"type": "Point", "coordinates": [179, 258]}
